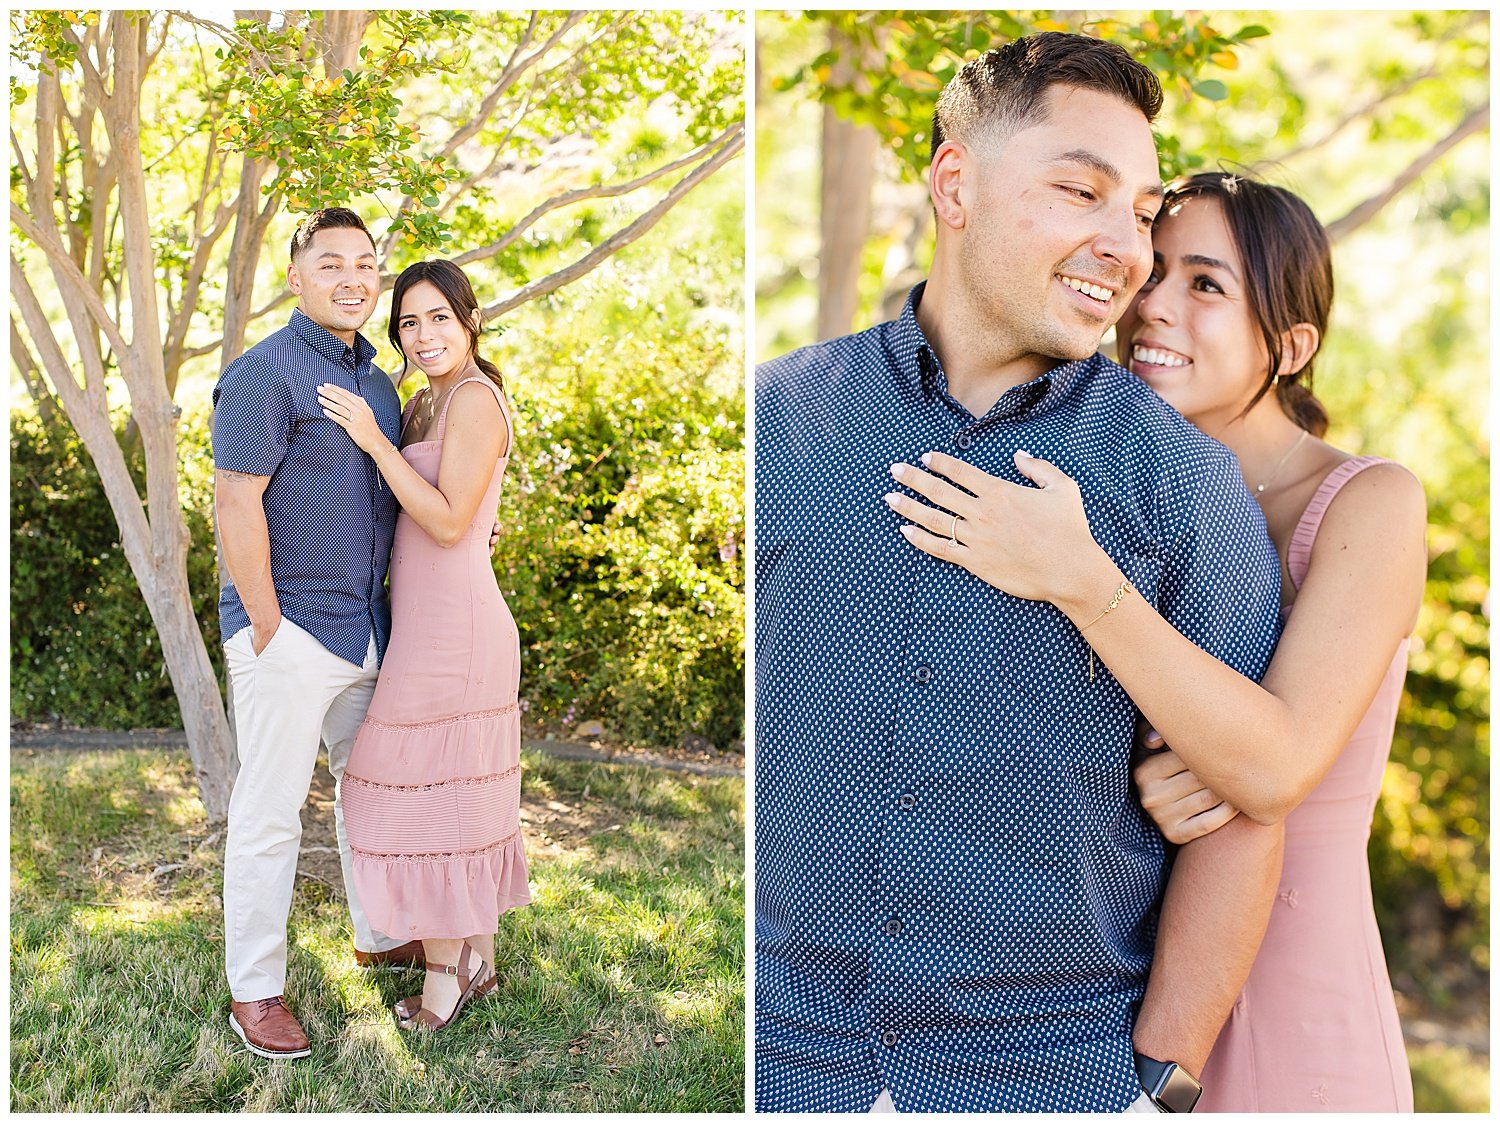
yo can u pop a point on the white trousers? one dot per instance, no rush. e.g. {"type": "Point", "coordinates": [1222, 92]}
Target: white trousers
{"type": "Point", "coordinates": [286, 699]}
{"type": "Point", "coordinates": [883, 1103]}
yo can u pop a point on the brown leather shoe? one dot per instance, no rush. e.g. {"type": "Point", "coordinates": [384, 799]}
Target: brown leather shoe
{"type": "Point", "coordinates": [408, 954]}
{"type": "Point", "coordinates": [268, 1029]}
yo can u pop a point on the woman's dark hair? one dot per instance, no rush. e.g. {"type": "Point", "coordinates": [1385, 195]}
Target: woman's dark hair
{"type": "Point", "coordinates": [1288, 275]}
{"type": "Point", "coordinates": [451, 281]}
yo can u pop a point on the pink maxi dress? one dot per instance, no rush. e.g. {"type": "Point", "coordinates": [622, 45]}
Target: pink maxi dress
{"type": "Point", "coordinates": [1315, 1028]}
{"type": "Point", "coordinates": [432, 791]}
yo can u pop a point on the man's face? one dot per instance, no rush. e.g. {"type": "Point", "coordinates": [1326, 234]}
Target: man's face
{"type": "Point", "coordinates": [336, 280]}
{"type": "Point", "coordinates": [1057, 233]}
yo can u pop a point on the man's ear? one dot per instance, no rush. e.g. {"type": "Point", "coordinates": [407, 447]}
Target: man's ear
{"type": "Point", "coordinates": [1299, 344]}
{"type": "Point", "coordinates": [293, 279]}
{"type": "Point", "coordinates": [945, 181]}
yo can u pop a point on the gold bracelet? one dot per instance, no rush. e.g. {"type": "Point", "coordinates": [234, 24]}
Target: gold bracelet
{"type": "Point", "coordinates": [1114, 603]}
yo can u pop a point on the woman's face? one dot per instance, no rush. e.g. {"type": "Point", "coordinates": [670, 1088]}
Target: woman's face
{"type": "Point", "coordinates": [1189, 334]}
{"type": "Point", "coordinates": [432, 336]}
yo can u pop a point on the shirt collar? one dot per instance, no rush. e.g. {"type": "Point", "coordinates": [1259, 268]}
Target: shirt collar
{"type": "Point", "coordinates": [920, 373]}
{"type": "Point", "coordinates": [330, 346]}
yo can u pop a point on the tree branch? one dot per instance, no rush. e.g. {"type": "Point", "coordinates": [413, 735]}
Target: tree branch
{"type": "Point", "coordinates": [228, 34]}
{"type": "Point", "coordinates": [621, 238]}
{"type": "Point", "coordinates": [87, 408]}
{"type": "Point", "coordinates": [513, 71]}
{"type": "Point", "coordinates": [20, 155]}
{"type": "Point", "coordinates": [199, 352]}
{"type": "Point", "coordinates": [122, 115]}
{"type": "Point", "coordinates": [36, 385]}
{"type": "Point", "coordinates": [1476, 120]}
{"type": "Point", "coordinates": [67, 268]}
{"type": "Point", "coordinates": [734, 135]}
{"type": "Point", "coordinates": [86, 399]}
{"type": "Point", "coordinates": [272, 304]}
{"type": "Point", "coordinates": [1369, 107]}
{"type": "Point", "coordinates": [91, 76]}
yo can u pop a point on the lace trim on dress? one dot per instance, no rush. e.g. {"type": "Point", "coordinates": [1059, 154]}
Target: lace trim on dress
{"type": "Point", "coordinates": [441, 856]}
{"type": "Point", "coordinates": [457, 782]}
{"type": "Point", "coordinates": [475, 715]}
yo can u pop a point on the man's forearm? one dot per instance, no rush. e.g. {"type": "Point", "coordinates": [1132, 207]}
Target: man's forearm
{"type": "Point", "coordinates": [1213, 917]}
{"type": "Point", "coordinates": [247, 552]}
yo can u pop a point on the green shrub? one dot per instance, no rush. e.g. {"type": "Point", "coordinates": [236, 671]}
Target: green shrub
{"type": "Point", "coordinates": [623, 532]}
{"type": "Point", "coordinates": [1430, 850]}
{"type": "Point", "coordinates": [83, 647]}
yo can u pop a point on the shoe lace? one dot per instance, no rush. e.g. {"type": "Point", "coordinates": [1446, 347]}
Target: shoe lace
{"type": "Point", "coordinates": [266, 1005]}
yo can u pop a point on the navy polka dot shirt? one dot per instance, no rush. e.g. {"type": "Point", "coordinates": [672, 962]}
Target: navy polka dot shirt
{"type": "Point", "coordinates": [956, 889]}
{"type": "Point", "coordinates": [330, 516]}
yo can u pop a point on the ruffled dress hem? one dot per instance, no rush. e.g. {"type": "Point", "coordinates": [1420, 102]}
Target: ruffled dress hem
{"type": "Point", "coordinates": [432, 897]}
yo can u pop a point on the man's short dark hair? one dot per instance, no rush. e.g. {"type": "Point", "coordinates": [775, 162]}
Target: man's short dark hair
{"type": "Point", "coordinates": [329, 218]}
{"type": "Point", "coordinates": [1004, 89]}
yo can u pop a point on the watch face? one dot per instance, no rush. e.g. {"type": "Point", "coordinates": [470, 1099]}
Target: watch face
{"type": "Point", "coordinates": [1179, 1091]}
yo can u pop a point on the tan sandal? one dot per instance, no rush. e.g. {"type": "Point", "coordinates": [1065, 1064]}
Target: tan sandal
{"type": "Point", "coordinates": [407, 1008]}
{"type": "Point", "coordinates": [468, 982]}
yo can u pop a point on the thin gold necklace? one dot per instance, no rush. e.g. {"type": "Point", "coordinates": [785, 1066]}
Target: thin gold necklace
{"type": "Point", "coordinates": [1280, 464]}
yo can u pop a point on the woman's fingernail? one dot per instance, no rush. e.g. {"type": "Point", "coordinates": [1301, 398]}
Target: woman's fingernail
{"type": "Point", "coordinates": [898, 470]}
{"type": "Point", "coordinates": [891, 499]}
{"type": "Point", "coordinates": [907, 529]}
{"type": "Point", "coordinates": [1023, 452]}
{"type": "Point", "coordinates": [926, 459]}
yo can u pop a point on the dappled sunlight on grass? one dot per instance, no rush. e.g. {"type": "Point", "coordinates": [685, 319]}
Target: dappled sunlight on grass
{"type": "Point", "coordinates": [42, 963]}
{"type": "Point", "coordinates": [621, 986]}
{"type": "Point", "coordinates": [128, 916]}
{"type": "Point", "coordinates": [699, 1009]}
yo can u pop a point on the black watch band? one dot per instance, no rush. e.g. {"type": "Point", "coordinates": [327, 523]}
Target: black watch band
{"type": "Point", "coordinates": [1169, 1085]}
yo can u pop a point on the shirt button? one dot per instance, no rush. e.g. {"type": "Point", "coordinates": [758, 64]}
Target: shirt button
{"type": "Point", "coordinates": [889, 1038]}
{"type": "Point", "coordinates": [893, 926]}
{"type": "Point", "coordinates": [963, 440]}
{"type": "Point", "coordinates": [908, 801]}
{"type": "Point", "coordinates": [922, 674]}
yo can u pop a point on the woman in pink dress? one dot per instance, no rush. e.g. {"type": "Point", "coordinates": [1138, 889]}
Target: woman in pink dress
{"type": "Point", "coordinates": [431, 793]}
{"type": "Point", "coordinates": [1225, 330]}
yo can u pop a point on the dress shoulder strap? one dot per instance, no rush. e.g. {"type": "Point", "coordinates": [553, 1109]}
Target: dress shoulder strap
{"type": "Point", "coordinates": [499, 397]}
{"type": "Point", "coordinates": [1299, 552]}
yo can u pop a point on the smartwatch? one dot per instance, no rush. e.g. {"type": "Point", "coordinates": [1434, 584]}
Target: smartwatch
{"type": "Point", "coordinates": [1170, 1086]}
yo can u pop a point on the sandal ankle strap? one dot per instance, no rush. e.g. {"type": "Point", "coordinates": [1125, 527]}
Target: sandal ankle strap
{"type": "Point", "coordinates": [461, 970]}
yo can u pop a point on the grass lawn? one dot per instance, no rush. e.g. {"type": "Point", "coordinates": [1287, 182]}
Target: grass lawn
{"type": "Point", "coordinates": [621, 986]}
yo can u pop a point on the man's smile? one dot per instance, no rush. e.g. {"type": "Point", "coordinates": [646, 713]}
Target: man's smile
{"type": "Point", "coordinates": [1100, 293]}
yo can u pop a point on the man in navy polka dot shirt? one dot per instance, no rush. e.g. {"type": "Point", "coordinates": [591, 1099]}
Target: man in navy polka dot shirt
{"type": "Point", "coordinates": [958, 898]}
{"type": "Point", "coordinates": [306, 525]}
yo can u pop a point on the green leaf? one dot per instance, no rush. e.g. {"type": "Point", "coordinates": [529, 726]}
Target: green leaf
{"type": "Point", "coordinates": [1253, 31]}
{"type": "Point", "coordinates": [1212, 89]}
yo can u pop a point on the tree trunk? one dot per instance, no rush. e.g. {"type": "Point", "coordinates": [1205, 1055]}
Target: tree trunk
{"type": "Point", "coordinates": [340, 34]}
{"type": "Point", "coordinates": [847, 160]}
{"type": "Point", "coordinates": [154, 537]}
{"type": "Point", "coordinates": [210, 742]}
{"type": "Point", "coordinates": [160, 564]}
